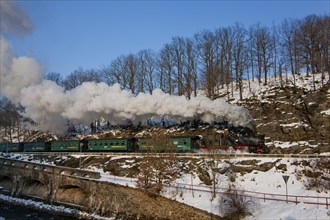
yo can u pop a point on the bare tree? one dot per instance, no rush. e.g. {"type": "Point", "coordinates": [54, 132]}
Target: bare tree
{"type": "Point", "coordinates": [250, 56]}
{"type": "Point", "coordinates": [145, 179]}
{"type": "Point", "coordinates": [157, 172]}
{"type": "Point", "coordinates": [263, 51]}
{"type": "Point", "coordinates": [80, 76]}
{"type": "Point", "coordinates": [311, 38]}
{"type": "Point", "coordinates": [55, 77]}
{"type": "Point", "coordinates": [114, 73]}
{"type": "Point", "coordinates": [179, 59]}
{"type": "Point", "coordinates": [325, 50]}
{"type": "Point", "coordinates": [239, 54]}
{"type": "Point", "coordinates": [212, 166]}
{"type": "Point", "coordinates": [190, 75]}
{"type": "Point", "coordinates": [165, 69]}
{"type": "Point", "coordinates": [131, 72]}
{"type": "Point", "coordinates": [206, 54]}
{"type": "Point", "coordinates": [147, 67]}
{"type": "Point", "coordinates": [10, 119]}
{"type": "Point", "coordinates": [275, 49]}
{"type": "Point", "coordinates": [288, 30]}
{"type": "Point", "coordinates": [123, 70]}
{"type": "Point", "coordinates": [184, 60]}
{"type": "Point", "coordinates": [219, 60]}
{"type": "Point", "coordinates": [224, 58]}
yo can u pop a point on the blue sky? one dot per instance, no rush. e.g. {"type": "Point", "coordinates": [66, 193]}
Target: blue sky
{"type": "Point", "coordinates": [90, 34]}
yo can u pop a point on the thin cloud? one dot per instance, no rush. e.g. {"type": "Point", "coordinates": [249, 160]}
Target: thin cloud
{"type": "Point", "coordinates": [13, 19]}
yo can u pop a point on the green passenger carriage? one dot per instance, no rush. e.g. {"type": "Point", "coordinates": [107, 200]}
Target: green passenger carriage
{"type": "Point", "coordinates": [177, 144]}
{"type": "Point", "coordinates": [36, 147]}
{"type": "Point", "coordinates": [11, 147]}
{"type": "Point", "coordinates": [121, 144]}
{"type": "Point", "coordinates": [182, 143]}
{"type": "Point", "coordinates": [149, 144]}
{"type": "Point", "coordinates": [72, 145]}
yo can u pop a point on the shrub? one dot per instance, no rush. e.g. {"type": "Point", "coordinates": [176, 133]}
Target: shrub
{"type": "Point", "coordinates": [232, 177]}
{"type": "Point", "coordinates": [317, 175]}
{"type": "Point", "coordinates": [235, 204]}
{"type": "Point", "coordinates": [155, 173]}
{"type": "Point", "coordinates": [318, 183]}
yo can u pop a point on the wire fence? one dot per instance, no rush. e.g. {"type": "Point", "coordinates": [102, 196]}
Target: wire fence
{"type": "Point", "coordinates": [316, 200]}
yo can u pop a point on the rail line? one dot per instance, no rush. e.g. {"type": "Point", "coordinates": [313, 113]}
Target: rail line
{"type": "Point", "coordinates": [203, 155]}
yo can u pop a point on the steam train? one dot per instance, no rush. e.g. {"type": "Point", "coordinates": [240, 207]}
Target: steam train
{"type": "Point", "coordinates": [168, 144]}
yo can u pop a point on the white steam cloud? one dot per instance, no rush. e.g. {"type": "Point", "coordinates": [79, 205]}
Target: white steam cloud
{"type": "Point", "coordinates": [49, 105]}
{"type": "Point", "coordinates": [17, 72]}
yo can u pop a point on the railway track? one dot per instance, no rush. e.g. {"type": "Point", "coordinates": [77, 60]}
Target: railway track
{"type": "Point", "coordinates": [204, 155]}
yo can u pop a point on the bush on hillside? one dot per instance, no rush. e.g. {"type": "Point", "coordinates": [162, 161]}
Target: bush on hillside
{"type": "Point", "coordinates": [235, 204]}
{"type": "Point", "coordinates": [317, 174]}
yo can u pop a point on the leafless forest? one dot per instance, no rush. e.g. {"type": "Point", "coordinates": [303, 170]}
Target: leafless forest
{"type": "Point", "coordinates": [208, 61]}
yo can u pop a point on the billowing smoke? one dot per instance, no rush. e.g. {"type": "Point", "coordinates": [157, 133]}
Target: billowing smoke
{"type": "Point", "coordinates": [49, 105]}
{"type": "Point", "coordinates": [17, 72]}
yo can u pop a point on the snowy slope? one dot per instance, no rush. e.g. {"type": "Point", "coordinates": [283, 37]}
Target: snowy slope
{"type": "Point", "coordinates": [259, 90]}
{"type": "Point", "coordinates": [191, 190]}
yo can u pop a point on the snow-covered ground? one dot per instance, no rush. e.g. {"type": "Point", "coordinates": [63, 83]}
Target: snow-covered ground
{"type": "Point", "coordinates": [191, 190]}
{"type": "Point", "coordinates": [260, 91]}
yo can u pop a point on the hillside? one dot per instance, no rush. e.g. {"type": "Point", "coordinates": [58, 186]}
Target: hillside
{"type": "Point", "coordinates": [294, 119]}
